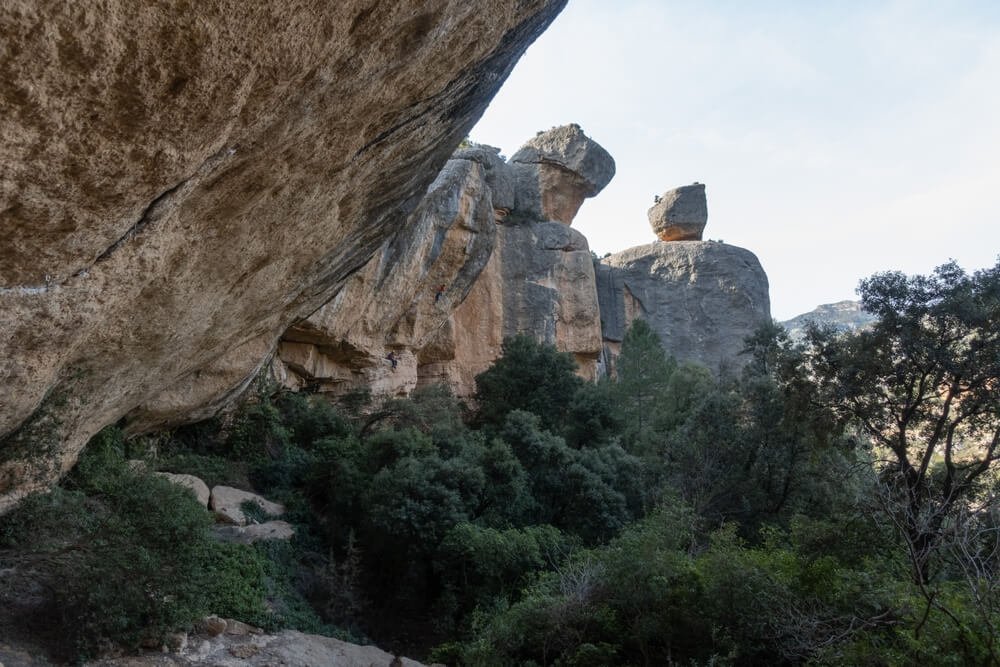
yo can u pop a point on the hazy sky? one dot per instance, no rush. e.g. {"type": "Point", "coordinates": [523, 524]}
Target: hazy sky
{"type": "Point", "coordinates": [836, 139]}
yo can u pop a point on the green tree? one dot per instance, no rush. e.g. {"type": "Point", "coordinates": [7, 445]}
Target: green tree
{"type": "Point", "coordinates": [643, 371]}
{"type": "Point", "coordinates": [923, 382]}
{"type": "Point", "coordinates": [591, 493]}
{"type": "Point", "coordinates": [529, 376]}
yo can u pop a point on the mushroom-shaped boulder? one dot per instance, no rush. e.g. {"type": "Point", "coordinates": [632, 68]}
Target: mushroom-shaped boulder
{"type": "Point", "coordinates": [680, 214]}
{"type": "Point", "coordinates": [557, 170]}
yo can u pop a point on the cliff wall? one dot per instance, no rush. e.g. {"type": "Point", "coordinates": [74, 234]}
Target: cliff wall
{"type": "Point", "coordinates": [487, 254]}
{"type": "Point", "coordinates": [184, 181]}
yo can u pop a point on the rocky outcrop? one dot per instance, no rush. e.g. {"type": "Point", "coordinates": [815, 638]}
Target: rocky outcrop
{"type": "Point", "coordinates": [475, 264]}
{"type": "Point", "coordinates": [540, 278]}
{"type": "Point", "coordinates": [556, 171]}
{"type": "Point", "coordinates": [702, 297]}
{"type": "Point", "coordinates": [540, 282]}
{"type": "Point", "coordinates": [841, 316]}
{"type": "Point", "coordinates": [228, 643]}
{"type": "Point", "coordinates": [289, 649]}
{"type": "Point", "coordinates": [398, 301]}
{"type": "Point", "coordinates": [680, 214]}
{"type": "Point", "coordinates": [184, 180]}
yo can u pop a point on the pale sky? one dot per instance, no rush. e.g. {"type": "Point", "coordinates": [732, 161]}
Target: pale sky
{"type": "Point", "coordinates": [835, 139]}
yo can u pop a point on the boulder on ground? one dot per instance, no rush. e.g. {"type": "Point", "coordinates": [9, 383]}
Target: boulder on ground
{"type": "Point", "coordinates": [212, 626]}
{"type": "Point", "coordinates": [256, 532]}
{"type": "Point", "coordinates": [680, 214]}
{"type": "Point", "coordinates": [197, 487]}
{"type": "Point", "coordinates": [226, 503]}
{"type": "Point", "coordinates": [289, 648]}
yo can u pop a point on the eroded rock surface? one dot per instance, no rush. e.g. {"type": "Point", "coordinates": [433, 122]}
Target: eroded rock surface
{"type": "Point", "coordinates": [540, 282]}
{"type": "Point", "coordinates": [680, 214]}
{"type": "Point", "coordinates": [407, 292]}
{"type": "Point", "coordinates": [471, 268]}
{"type": "Point", "coordinates": [556, 171]}
{"type": "Point", "coordinates": [702, 297]}
{"type": "Point", "coordinates": [235, 644]}
{"type": "Point", "coordinates": [183, 178]}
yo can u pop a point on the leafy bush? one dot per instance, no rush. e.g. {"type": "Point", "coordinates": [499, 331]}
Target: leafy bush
{"type": "Point", "coordinates": [211, 469]}
{"type": "Point", "coordinates": [112, 520]}
{"type": "Point", "coordinates": [528, 376]}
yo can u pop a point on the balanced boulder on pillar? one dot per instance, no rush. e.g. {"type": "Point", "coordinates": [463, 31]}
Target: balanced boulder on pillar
{"type": "Point", "coordinates": [680, 214]}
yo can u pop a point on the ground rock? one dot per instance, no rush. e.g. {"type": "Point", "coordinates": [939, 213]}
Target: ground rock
{"type": "Point", "coordinates": [226, 501]}
{"type": "Point", "coordinates": [288, 648]}
{"type": "Point", "coordinates": [702, 297]}
{"type": "Point", "coordinates": [195, 484]}
{"type": "Point", "coordinates": [212, 625]}
{"type": "Point", "coordinates": [256, 532]}
{"type": "Point", "coordinates": [680, 214]}
{"type": "Point", "coordinates": [182, 178]}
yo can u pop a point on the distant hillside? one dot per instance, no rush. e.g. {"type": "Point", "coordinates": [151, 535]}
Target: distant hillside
{"type": "Point", "coordinates": [844, 315]}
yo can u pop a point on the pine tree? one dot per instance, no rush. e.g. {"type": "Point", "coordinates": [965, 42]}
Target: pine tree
{"type": "Point", "coordinates": [644, 371]}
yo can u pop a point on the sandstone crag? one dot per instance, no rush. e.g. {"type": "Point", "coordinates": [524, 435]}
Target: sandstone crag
{"type": "Point", "coordinates": [702, 297]}
{"type": "Point", "coordinates": [184, 179]}
{"type": "Point", "coordinates": [399, 300]}
{"type": "Point", "coordinates": [556, 171]}
{"type": "Point", "coordinates": [474, 264]}
{"type": "Point", "coordinates": [540, 278]}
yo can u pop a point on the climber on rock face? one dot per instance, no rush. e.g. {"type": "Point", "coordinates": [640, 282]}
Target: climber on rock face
{"type": "Point", "coordinates": [440, 291]}
{"type": "Point", "coordinates": [391, 357]}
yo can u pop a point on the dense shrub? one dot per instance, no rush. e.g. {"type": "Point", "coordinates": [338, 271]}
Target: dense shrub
{"type": "Point", "coordinates": [529, 376]}
{"type": "Point", "coordinates": [126, 557]}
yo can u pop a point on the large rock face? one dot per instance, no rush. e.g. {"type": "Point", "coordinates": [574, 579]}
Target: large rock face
{"type": "Point", "coordinates": [703, 298]}
{"type": "Point", "coordinates": [539, 282]}
{"type": "Point", "coordinates": [182, 180]}
{"type": "Point", "coordinates": [474, 265]}
{"type": "Point", "coordinates": [540, 279]}
{"type": "Point", "coordinates": [406, 293]}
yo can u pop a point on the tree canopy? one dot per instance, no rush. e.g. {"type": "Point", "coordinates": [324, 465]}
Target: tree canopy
{"type": "Point", "coordinates": [923, 382]}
